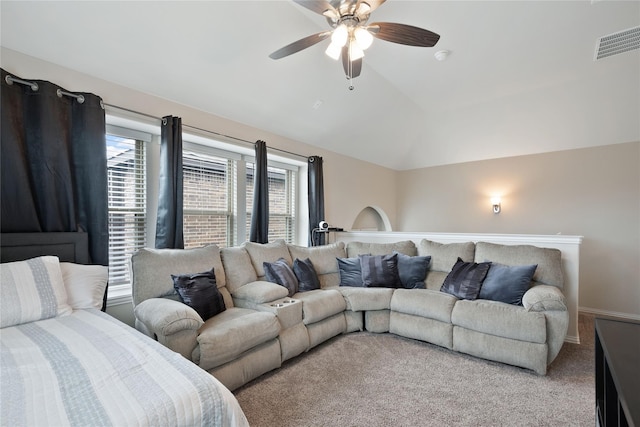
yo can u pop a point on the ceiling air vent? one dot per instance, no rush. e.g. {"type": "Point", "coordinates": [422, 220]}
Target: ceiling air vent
{"type": "Point", "coordinates": [620, 42]}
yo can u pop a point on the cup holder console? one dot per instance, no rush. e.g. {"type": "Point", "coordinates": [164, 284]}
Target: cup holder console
{"type": "Point", "coordinates": [283, 303]}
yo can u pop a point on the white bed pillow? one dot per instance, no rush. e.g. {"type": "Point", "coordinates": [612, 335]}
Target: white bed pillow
{"type": "Point", "coordinates": [32, 290]}
{"type": "Point", "coordinates": [85, 284]}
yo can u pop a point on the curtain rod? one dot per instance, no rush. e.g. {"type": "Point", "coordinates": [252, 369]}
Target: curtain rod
{"type": "Point", "coordinates": [205, 130]}
{"type": "Point", "coordinates": [34, 87]}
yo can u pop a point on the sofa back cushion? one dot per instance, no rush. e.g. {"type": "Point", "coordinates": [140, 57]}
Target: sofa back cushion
{"type": "Point", "coordinates": [152, 269]}
{"type": "Point", "coordinates": [324, 259]}
{"type": "Point", "coordinates": [548, 272]}
{"type": "Point", "coordinates": [443, 258]}
{"type": "Point", "coordinates": [238, 267]}
{"type": "Point", "coordinates": [267, 252]}
{"type": "Point", "coordinates": [406, 247]}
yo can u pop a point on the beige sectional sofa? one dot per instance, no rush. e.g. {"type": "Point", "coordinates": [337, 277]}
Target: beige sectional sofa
{"type": "Point", "coordinates": [263, 326]}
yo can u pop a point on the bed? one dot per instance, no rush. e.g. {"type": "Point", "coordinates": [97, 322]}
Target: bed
{"type": "Point", "coordinates": [66, 362]}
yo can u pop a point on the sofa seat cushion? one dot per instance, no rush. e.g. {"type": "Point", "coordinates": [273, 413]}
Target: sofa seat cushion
{"type": "Point", "coordinates": [501, 320]}
{"type": "Point", "coordinates": [320, 304]}
{"type": "Point", "coordinates": [365, 299]}
{"type": "Point", "coordinates": [424, 302]}
{"type": "Point", "coordinates": [225, 336]}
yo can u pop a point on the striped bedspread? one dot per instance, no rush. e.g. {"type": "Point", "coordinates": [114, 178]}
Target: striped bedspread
{"type": "Point", "coordinates": [88, 369]}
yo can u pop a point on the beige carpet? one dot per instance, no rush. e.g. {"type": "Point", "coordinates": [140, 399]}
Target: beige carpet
{"type": "Point", "coordinates": [364, 379]}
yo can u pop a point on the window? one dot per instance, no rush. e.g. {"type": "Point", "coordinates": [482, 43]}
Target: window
{"type": "Point", "coordinates": [127, 202]}
{"type": "Point", "coordinates": [218, 191]}
{"type": "Point", "coordinates": [209, 184]}
{"type": "Point", "coordinates": [282, 201]}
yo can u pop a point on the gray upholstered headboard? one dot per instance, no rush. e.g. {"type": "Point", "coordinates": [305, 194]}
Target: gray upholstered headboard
{"type": "Point", "coordinates": [68, 246]}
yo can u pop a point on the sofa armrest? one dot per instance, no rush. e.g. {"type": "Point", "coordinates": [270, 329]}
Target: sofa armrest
{"type": "Point", "coordinates": [544, 298]}
{"type": "Point", "coordinates": [258, 292]}
{"type": "Point", "coordinates": [173, 323]}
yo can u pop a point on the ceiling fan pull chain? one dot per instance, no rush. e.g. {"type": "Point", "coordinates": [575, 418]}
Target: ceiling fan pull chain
{"type": "Point", "coordinates": [350, 68]}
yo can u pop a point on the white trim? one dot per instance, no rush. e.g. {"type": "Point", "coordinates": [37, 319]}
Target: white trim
{"type": "Point", "coordinates": [128, 133]}
{"type": "Point", "coordinates": [274, 164]}
{"type": "Point", "coordinates": [609, 313]}
{"type": "Point", "coordinates": [209, 150]}
{"type": "Point", "coordinates": [475, 237]}
{"type": "Point", "coordinates": [572, 339]}
{"type": "Point", "coordinates": [119, 296]}
{"type": "Point", "coordinates": [133, 121]}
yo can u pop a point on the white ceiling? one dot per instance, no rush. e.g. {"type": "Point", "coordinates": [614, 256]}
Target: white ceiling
{"type": "Point", "coordinates": [520, 79]}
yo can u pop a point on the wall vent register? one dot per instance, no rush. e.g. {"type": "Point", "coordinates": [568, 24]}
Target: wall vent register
{"type": "Point", "coordinates": [617, 43]}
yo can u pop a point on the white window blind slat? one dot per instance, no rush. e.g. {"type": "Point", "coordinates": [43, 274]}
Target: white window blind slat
{"type": "Point", "coordinates": [126, 204]}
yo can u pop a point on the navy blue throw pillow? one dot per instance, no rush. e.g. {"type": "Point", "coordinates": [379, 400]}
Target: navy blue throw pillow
{"type": "Point", "coordinates": [413, 270]}
{"type": "Point", "coordinates": [306, 274]}
{"type": "Point", "coordinates": [350, 272]}
{"type": "Point", "coordinates": [465, 279]}
{"type": "Point", "coordinates": [380, 271]}
{"type": "Point", "coordinates": [507, 283]}
{"type": "Point", "coordinates": [200, 292]}
{"type": "Point", "coordinates": [279, 272]}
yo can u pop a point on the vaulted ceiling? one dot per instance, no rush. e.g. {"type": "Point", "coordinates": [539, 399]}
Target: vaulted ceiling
{"type": "Point", "coordinates": [520, 79]}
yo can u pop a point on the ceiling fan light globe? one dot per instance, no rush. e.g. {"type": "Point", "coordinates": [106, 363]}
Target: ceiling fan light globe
{"type": "Point", "coordinates": [355, 52]}
{"type": "Point", "coordinates": [340, 35]}
{"type": "Point", "coordinates": [333, 51]}
{"type": "Point", "coordinates": [363, 38]}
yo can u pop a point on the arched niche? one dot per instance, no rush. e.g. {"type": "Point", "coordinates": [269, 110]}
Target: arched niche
{"type": "Point", "coordinates": [372, 218]}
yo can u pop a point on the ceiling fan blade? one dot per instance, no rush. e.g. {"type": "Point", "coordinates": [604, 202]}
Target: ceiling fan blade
{"type": "Point", "coordinates": [403, 34]}
{"type": "Point", "coordinates": [297, 46]}
{"type": "Point", "coordinates": [356, 66]}
{"type": "Point", "coordinates": [321, 7]}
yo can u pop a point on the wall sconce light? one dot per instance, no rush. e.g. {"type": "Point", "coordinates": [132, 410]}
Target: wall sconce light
{"type": "Point", "coordinates": [495, 201]}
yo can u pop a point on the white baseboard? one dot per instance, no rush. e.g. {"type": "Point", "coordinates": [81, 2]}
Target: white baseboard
{"type": "Point", "coordinates": [572, 339]}
{"type": "Point", "coordinates": [598, 312]}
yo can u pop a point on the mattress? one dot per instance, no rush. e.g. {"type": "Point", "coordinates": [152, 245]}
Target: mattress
{"type": "Point", "coordinates": [88, 368]}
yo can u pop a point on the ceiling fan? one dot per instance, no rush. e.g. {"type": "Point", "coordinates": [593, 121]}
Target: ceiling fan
{"type": "Point", "coordinates": [351, 35]}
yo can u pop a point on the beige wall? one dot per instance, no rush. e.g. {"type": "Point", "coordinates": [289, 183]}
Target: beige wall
{"type": "Point", "coordinates": [593, 192]}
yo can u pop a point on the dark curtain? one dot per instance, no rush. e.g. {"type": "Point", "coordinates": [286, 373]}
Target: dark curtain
{"type": "Point", "coordinates": [170, 211]}
{"type": "Point", "coordinates": [260, 213]}
{"type": "Point", "coordinates": [316, 199]}
{"type": "Point", "coordinates": [54, 164]}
